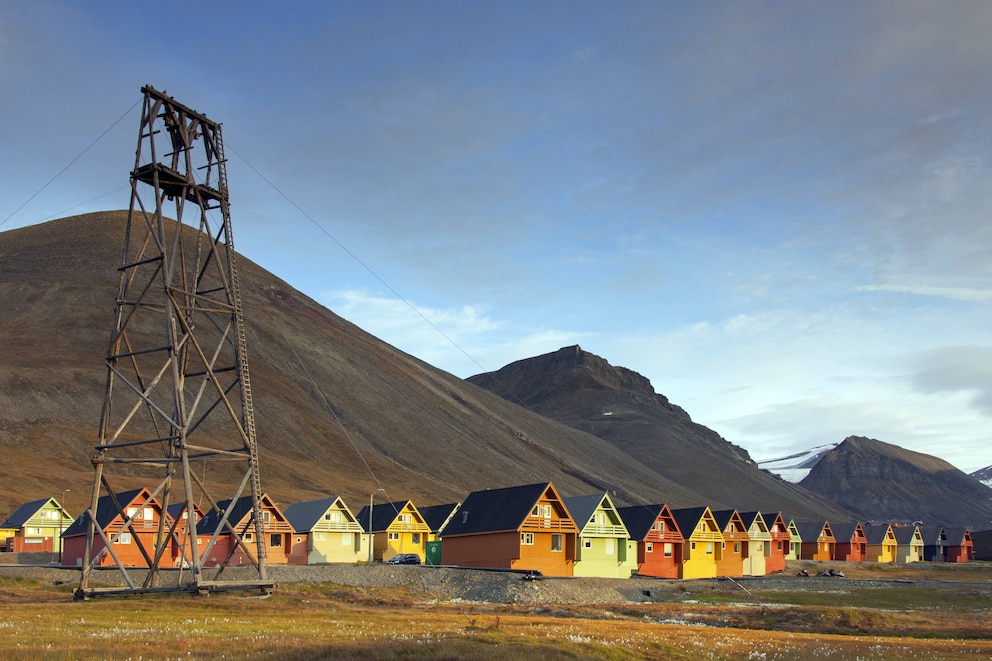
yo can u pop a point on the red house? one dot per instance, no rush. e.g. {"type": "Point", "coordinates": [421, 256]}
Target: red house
{"type": "Point", "coordinates": [777, 550]}
{"type": "Point", "coordinates": [959, 546]}
{"type": "Point", "coordinates": [131, 531]}
{"type": "Point", "coordinates": [659, 540]}
{"type": "Point", "coordinates": [850, 542]}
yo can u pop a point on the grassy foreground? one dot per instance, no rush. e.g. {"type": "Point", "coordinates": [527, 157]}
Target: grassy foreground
{"type": "Point", "coordinates": [930, 618]}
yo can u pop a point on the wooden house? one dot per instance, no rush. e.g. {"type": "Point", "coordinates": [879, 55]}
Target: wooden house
{"type": "Point", "coordinates": [131, 531]}
{"type": "Point", "coordinates": [850, 544]}
{"type": "Point", "coordinates": [758, 549]}
{"type": "Point", "coordinates": [525, 528]}
{"type": "Point", "coordinates": [910, 544]}
{"type": "Point", "coordinates": [817, 541]}
{"type": "Point", "coordinates": [882, 544]}
{"type": "Point", "coordinates": [795, 541]}
{"type": "Point", "coordinates": [958, 545]}
{"type": "Point", "coordinates": [703, 542]}
{"type": "Point", "coordinates": [933, 543]}
{"type": "Point", "coordinates": [395, 528]}
{"type": "Point", "coordinates": [659, 540]}
{"type": "Point", "coordinates": [604, 547]}
{"type": "Point", "coordinates": [330, 532]}
{"type": "Point", "coordinates": [734, 545]}
{"type": "Point", "coordinates": [780, 544]}
{"type": "Point", "coordinates": [35, 527]}
{"type": "Point", "coordinates": [182, 549]}
{"type": "Point", "coordinates": [277, 535]}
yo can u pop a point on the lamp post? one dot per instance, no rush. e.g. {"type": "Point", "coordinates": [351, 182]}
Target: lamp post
{"type": "Point", "coordinates": [61, 515]}
{"type": "Point", "coordinates": [371, 533]}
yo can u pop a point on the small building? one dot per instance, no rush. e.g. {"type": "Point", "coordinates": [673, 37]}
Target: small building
{"type": "Point", "coordinates": [182, 549]}
{"type": "Point", "coordinates": [604, 547]}
{"type": "Point", "coordinates": [35, 527]}
{"type": "Point", "coordinates": [131, 532]}
{"type": "Point", "coordinates": [933, 543]}
{"type": "Point", "coordinates": [755, 561]}
{"type": "Point", "coordinates": [231, 549]}
{"type": "Point", "coordinates": [958, 545]}
{"type": "Point", "coordinates": [395, 528]}
{"type": "Point", "coordinates": [780, 544]}
{"type": "Point", "coordinates": [910, 544]}
{"type": "Point", "coordinates": [703, 542]}
{"type": "Point", "coordinates": [734, 545]}
{"type": "Point", "coordinates": [659, 541]}
{"type": "Point", "coordinates": [882, 544]}
{"type": "Point", "coordinates": [524, 528]}
{"type": "Point", "coordinates": [329, 532]}
{"type": "Point", "coordinates": [850, 544]}
{"type": "Point", "coordinates": [795, 541]}
{"type": "Point", "coordinates": [817, 541]}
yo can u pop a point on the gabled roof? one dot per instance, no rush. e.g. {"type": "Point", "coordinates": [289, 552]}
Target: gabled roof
{"type": "Point", "coordinates": [932, 535]}
{"type": "Point", "coordinates": [640, 518]}
{"type": "Point", "coordinates": [175, 510]}
{"type": "Point", "coordinates": [845, 531]}
{"type": "Point", "coordinates": [239, 510]}
{"type": "Point", "coordinates": [304, 516]}
{"type": "Point", "coordinates": [583, 507]}
{"type": "Point", "coordinates": [688, 518]}
{"type": "Point", "coordinates": [383, 515]}
{"type": "Point", "coordinates": [750, 518]}
{"type": "Point", "coordinates": [436, 516]}
{"type": "Point", "coordinates": [810, 531]}
{"type": "Point", "coordinates": [878, 534]}
{"type": "Point", "coordinates": [723, 517]}
{"type": "Point", "coordinates": [905, 534]}
{"type": "Point", "coordinates": [956, 536]}
{"type": "Point", "coordinates": [23, 513]}
{"type": "Point", "coordinates": [497, 510]}
{"type": "Point", "coordinates": [105, 511]}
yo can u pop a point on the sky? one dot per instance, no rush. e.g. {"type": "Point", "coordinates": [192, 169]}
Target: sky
{"type": "Point", "coordinates": [778, 212]}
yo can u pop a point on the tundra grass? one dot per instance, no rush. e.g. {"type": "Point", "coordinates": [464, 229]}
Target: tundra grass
{"type": "Point", "coordinates": [314, 621]}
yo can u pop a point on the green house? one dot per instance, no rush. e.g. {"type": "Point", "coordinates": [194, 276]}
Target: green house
{"type": "Point", "coordinates": [604, 547]}
{"type": "Point", "coordinates": [36, 526]}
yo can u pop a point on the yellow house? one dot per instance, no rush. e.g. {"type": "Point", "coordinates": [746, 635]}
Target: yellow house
{"type": "Point", "coordinates": [910, 541]}
{"type": "Point", "coordinates": [604, 548]}
{"type": "Point", "coordinates": [703, 542]}
{"type": "Point", "coordinates": [759, 546]}
{"type": "Point", "coordinates": [882, 544]}
{"type": "Point", "coordinates": [395, 528]}
{"type": "Point", "coordinates": [332, 533]}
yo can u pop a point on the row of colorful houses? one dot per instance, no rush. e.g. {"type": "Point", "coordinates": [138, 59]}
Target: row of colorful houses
{"type": "Point", "coordinates": [523, 528]}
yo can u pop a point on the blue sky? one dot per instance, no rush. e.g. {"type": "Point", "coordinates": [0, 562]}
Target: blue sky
{"type": "Point", "coordinates": [779, 213]}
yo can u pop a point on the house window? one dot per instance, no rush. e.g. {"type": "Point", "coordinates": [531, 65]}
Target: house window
{"type": "Point", "coordinates": [780, 545]}
{"type": "Point", "coordinates": [649, 547]}
{"type": "Point", "coordinates": [668, 550]}
{"type": "Point", "coordinates": [709, 548]}
{"type": "Point", "coordinates": [416, 537]}
{"type": "Point", "coordinates": [692, 545]}
{"type": "Point", "coordinates": [556, 543]}
{"type": "Point", "coordinates": [737, 547]}
{"type": "Point", "coordinates": [542, 511]}
{"type": "Point", "coordinates": [275, 540]}
{"type": "Point", "coordinates": [659, 526]}
{"type": "Point", "coordinates": [148, 515]}
{"type": "Point", "coordinates": [320, 537]}
{"type": "Point", "coordinates": [405, 518]}
{"type": "Point", "coordinates": [34, 531]}
{"type": "Point", "coordinates": [132, 512]}
{"type": "Point", "coordinates": [246, 537]}
{"type": "Point", "coordinates": [527, 538]}
{"type": "Point", "coordinates": [610, 544]}
{"type": "Point", "coordinates": [393, 536]}
{"type": "Point", "coordinates": [600, 518]}
{"type": "Point", "coordinates": [125, 538]}
{"type": "Point", "coordinates": [266, 516]}
{"type": "Point", "coordinates": [334, 517]}
{"type": "Point", "coordinates": [587, 543]}
{"type": "Point", "coordinates": [347, 538]}
{"type": "Point", "coordinates": [49, 514]}
{"type": "Point", "coordinates": [723, 546]}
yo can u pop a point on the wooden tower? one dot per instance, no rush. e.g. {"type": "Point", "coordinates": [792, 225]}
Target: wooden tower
{"type": "Point", "coordinates": [177, 415]}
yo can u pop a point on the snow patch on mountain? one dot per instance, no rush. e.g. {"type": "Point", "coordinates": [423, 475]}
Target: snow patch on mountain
{"type": "Point", "coordinates": [794, 467]}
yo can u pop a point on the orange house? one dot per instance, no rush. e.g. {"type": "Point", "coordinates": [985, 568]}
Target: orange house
{"type": "Point", "coordinates": [735, 541]}
{"type": "Point", "coordinates": [525, 528]}
{"type": "Point", "coordinates": [278, 536]}
{"type": "Point", "coordinates": [132, 532]}
{"type": "Point", "coordinates": [779, 547]}
{"type": "Point", "coordinates": [850, 543]}
{"type": "Point", "coordinates": [659, 540]}
{"type": "Point", "coordinates": [818, 541]}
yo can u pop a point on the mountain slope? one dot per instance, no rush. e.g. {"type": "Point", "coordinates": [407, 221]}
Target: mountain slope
{"type": "Point", "coordinates": [620, 406]}
{"type": "Point", "coordinates": [796, 466]}
{"type": "Point", "coordinates": [983, 475]}
{"type": "Point", "coordinates": [337, 410]}
{"type": "Point", "coordinates": [880, 481]}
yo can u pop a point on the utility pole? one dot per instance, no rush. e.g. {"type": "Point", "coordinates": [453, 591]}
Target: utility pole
{"type": "Point", "coordinates": [178, 388]}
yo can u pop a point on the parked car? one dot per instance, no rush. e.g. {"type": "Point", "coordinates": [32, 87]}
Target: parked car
{"type": "Point", "coordinates": [404, 559]}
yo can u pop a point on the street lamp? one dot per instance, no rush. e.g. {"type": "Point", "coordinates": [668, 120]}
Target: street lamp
{"type": "Point", "coordinates": [371, 533]}
{"type": "Point", "coordinates": [61, 517]}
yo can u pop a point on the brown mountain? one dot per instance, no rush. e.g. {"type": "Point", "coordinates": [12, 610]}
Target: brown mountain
{"type": "Point", "coordinates": [337, 410]}
{"type": "Point", "coordinates": [620, 406]}
{"type": "Point", "coordinates": [879, 481]}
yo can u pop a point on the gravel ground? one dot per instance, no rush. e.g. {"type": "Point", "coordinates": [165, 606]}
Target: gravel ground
{"type": "Point", "coordinates": [475, 586]}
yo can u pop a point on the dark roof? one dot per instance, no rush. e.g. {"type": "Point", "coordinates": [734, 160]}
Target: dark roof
{"type": "Point", "coordinates": [583, 507]}
{"type": "Point", "coordinates": [23, 513]}
{"type": "Point", "coordinates": [877, 534]}
{"type": "Point", "coordinates": [208, 524]}
{"type": "Point", "coordinates": [382, 515]}
{"type": "Point", "coordinates": [435, 516]}
{"type": "Point", "coordinates": [932, 535]}
{"type": "Point", "coordinates": [904, 534]}
{"type": "Point", "coordinates": [749, 517]}
{"type": "Point", "coordinates": [688, 518]}
{"type": "Point", "coordinates": [844, 530]}
{"type": "Point", "coordinates": [810, 530]}
{"type": "Point", "coordinates": [639, 519]}
{"type": "Point", "coordinates": [723, 518]}
{"type": "Point", "coordinates": [105, 512]}
{"type": "Point", "coordinates": [496, 510]}
{"type": "Point", "coordinates": [304, 516]}
{"type": "Point", "coordinates": [955, 535]}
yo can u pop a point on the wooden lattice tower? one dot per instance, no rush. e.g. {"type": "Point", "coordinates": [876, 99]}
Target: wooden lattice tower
{"type": "Point", "coordinates": [177, 414]}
